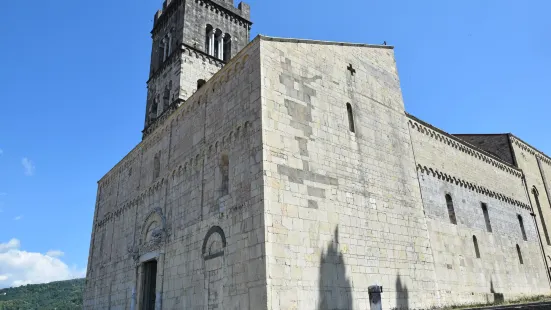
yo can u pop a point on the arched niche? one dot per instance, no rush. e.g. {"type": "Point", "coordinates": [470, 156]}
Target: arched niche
{"type": "Point", "coordinates": [214, 243]}
{"type": "Point", "coordinates": [153, 232]}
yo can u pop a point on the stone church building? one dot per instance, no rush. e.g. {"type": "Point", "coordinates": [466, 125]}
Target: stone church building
{"type": "Point", "coordinates": [285, 174]}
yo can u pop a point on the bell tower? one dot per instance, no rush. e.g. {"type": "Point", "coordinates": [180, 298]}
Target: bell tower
{"type": "Point", "coordinates": [192, 40]}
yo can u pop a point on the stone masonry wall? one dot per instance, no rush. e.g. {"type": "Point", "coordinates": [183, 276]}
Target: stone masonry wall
{"type": "Point", "coordinates": [446, 166]}
{"type": "Point", "coordinates": [527, 159]}
{"type": "Point", "coordinates": [343, 209]}
{"type": "Point", "coordinates": [207, 240]}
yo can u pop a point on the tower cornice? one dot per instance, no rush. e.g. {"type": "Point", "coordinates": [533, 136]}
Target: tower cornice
{"type": "Point", "coordinates": [169, 10]}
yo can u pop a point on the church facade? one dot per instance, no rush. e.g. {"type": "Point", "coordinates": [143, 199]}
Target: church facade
{"type": "Point", "coordinates": [285, 174]}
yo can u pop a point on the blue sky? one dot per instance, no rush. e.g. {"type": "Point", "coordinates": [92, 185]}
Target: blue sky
{"type": "Point", "coordinates": [73, 92]}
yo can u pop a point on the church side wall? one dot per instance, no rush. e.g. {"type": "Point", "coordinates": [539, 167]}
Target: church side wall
{"type": "Point", "coordinates": [207, 240]}
{"type": "Point", "coordinates": [343, 209]}
{"type": "Point", "coordinates": [527, 160]}
{"type": "Point", "coordinates": [448, 167]}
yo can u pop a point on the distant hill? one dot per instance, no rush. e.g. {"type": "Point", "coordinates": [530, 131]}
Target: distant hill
{"type": "Point", "coordinates": [62, 295]}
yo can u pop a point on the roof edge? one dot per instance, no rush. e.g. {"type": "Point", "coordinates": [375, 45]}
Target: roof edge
{"type": "Point", "coordinates": [531, 146]}
{"type": "Point", "coordinates": [310, 41]}
{"type": "Point", "coordinates": [467, 144]}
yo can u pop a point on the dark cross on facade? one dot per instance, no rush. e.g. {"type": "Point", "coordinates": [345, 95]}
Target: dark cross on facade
{"type": "Point", "coordinates": [351, 69]}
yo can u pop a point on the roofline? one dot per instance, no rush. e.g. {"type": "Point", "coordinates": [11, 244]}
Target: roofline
{"type": "Point", "coordinates": [308, 41]}
{"type": "Point", "coordinates": [481, 134]}
{"type": "Point", "coordinates": [528, 144]}
{"type": "Point", "coordinates": [467, 144]}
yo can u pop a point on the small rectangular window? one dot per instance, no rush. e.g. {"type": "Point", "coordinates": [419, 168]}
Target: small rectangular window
{"type": "Point", "coordinates": [486, 217]}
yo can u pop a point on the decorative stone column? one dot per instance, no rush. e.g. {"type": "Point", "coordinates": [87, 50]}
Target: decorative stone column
{"type": "Point", "coordinates": [221, 47]}
{"type": "Point", "coordinates": [159, 281]}
{"type": "Point", "coordinates": [139, 289]}
{"type": "Point", "coordinates": [211, 42]}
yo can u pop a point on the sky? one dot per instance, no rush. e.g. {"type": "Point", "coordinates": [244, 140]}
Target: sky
{"type": "Point", "coordinates": [73, 92]}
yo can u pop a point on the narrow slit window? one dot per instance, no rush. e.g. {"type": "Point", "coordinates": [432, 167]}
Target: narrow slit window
{"type": "Point", "coordinates": [156, 165]}
{"type": "Point", "coordinates": [521, 224]}
{"type": "Point", "coordinates": [225, 173]}
{"type": "Point", "coordinates": [486, 217]}
{"type": "Point", "coordinates": [476, 250]}
{"type": "Point", "coordinates": [519, 253]}
{"type": "Point", "coordinates": [451, 211]}
{"type": "Point", "coordinates": [350, 117]}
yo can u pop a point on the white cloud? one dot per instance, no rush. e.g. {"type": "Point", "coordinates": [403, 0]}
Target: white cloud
{"type": "Point", "coordinates": [28, 165]}
{"type": "Point", "coordinates": [19, 267]}
{"type": "Point", "coordinates": [17, 218]}
{"type": "Point", "coordinates": [1, 152]}
{"type": "Point", "coordinates": [55, 253]}
{"type": "Point", "coordinates": [12, 244]}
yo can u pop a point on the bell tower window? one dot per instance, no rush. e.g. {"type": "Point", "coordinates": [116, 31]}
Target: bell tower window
{"type": "Point", "coordinates": [208, 41]}
{"type": "Point", "coordinates": [227, 48]}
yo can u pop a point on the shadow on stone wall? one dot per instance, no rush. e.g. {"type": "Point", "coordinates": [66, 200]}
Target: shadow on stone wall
{"type": "Point", "coordinates": [402, 295]}
{"type": "Point", "coordinates": [498, 297]}
{"type": "Point", "coordinates": [335, 290]}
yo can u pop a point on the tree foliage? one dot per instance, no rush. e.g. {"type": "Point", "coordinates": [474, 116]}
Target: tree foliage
{"type": "Point", "coordinates": [62, 295]}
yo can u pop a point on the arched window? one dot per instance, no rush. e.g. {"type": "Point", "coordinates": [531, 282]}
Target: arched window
{"type": "Point", "coordinates": [486, 217]}
{"type": "Point", "coordinates": [476, 250]}
{"type": "Point", "coordinates": [538, 205]}
{"type": "Point", "coordinates": [451, 211]}
{"type": "Point", "coordinates": [166, 99]}
{"type": "Point", "coordinates": [162, 51]}
{"type": "Point", "coordinates": [200, 83]}
{"type": "Point", "coordinates": [156, 165]}
{"type": "Point", "coordinates": [227, 47]}
{"type": "Point", "coordinates": [153, 109]}
{"type": "Point", "coordinates": [521, 224]}
{"type": "Point", "coordinates": [225, 174]}
{"type": "Point", "coordinates": [519, 255]}
{"type": "Point", "coordinates": [208, 40]}
{"type": "Point", "coordinates": [218, 42]}
{"type": "Point", "coordinates": [350, 117]}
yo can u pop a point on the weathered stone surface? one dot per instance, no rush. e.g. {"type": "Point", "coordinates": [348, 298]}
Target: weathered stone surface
{"type": "Point", "coordinates": [257, 192]}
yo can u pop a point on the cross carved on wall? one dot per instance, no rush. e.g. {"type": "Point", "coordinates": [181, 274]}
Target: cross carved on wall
{"type": "Point", "coordinates": [351, 69]}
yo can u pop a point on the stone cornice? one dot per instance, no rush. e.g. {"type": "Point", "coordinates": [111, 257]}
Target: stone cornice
{"type": "Point", "coordinates": [461, 145]}
{"type": "Point", "coordinates": [187, 168]}
{"type": "Point", "coordinates": [160, 120]}
{"type": "Point", "coordinates": [471, 186]}
{"type": "Point", "coordinates": [186, 50]}
{"type": "Point", "coordinates": [170, 60]}
{"type": "Point", "coordinates": [530, 149]}
{"type": "Point", "coordinates": [223, 11]}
